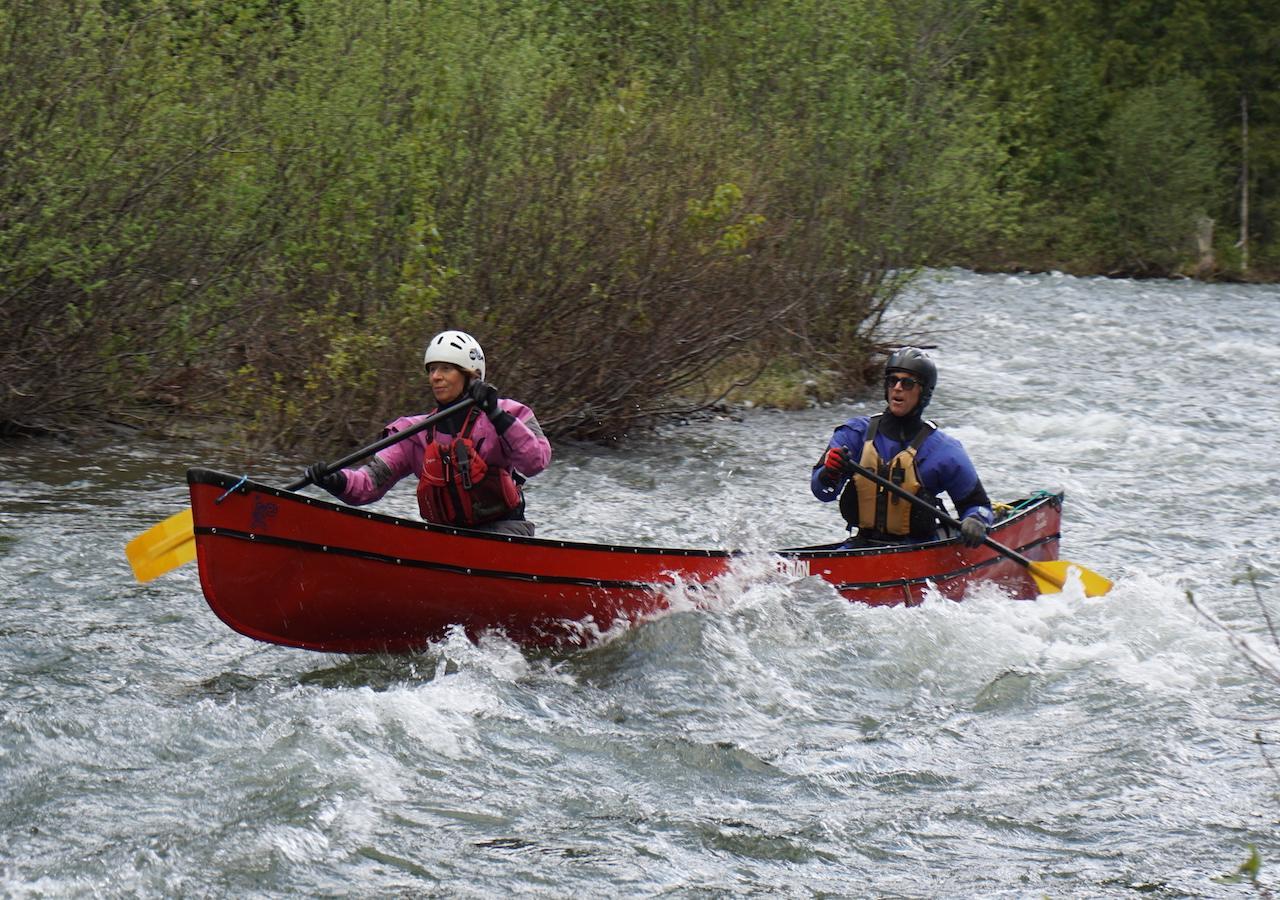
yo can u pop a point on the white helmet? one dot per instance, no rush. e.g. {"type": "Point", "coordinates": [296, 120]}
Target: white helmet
{"type": "Point", "coordinates": [458, 348]}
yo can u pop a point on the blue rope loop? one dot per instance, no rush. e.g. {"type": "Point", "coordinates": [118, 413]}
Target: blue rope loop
{"type": "Point", "coordinates": [231, 490]}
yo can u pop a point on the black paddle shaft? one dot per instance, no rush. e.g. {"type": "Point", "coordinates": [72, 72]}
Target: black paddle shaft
{"type": "Point", "coordinates": [385, 442]}
{"type": "Point", "coordinates": [939, 514]}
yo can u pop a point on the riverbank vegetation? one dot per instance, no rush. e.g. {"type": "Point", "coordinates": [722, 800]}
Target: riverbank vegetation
{"type": "Point", "coordinates": [256, 212]}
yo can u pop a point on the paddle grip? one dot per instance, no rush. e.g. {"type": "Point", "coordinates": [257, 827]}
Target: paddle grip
{"type": "Point", "coordinates": [385, 442]}
{"type": "Point", "coordinates": [939, 514]}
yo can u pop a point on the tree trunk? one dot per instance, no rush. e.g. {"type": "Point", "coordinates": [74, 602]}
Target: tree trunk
{"type": "Point", "coordinates": [1244, 184]}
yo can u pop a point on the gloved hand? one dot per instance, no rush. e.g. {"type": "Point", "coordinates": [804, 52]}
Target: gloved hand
{"type": "Point", "coordinates": [835, 466]}
{"type": "Point", "coordinates": [485, 395]}
{"type": "Point", "coordinates": [335, 482]}
{"type": "Point", "coordinates": [972, 531]}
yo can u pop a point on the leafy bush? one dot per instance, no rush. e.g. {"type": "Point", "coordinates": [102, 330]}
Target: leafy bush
{"type": "Point", "coordinates": [261, 211]}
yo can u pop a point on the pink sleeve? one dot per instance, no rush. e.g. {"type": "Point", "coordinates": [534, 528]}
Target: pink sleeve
{"type": "Point", "coordinates": [380, 473]}
{"type": "Point", "coordinates": [528, 450]}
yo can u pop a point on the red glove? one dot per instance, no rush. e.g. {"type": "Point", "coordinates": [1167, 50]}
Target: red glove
{"type": "Point", "coordinates": [835, 466]}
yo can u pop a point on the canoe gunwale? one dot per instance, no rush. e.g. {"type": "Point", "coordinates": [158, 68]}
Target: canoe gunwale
{"type": "Point", "coordinates": [243, 485]}
{"type": "Point", "coordinates": [505, 574]}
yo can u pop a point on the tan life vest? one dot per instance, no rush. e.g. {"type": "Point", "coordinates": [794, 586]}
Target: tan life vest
{"type": "Point", "coordinates": [880, 511]}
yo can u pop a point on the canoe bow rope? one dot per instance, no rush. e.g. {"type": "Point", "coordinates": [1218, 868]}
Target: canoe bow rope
{"type": "Point", "coordinates": [231, 490]}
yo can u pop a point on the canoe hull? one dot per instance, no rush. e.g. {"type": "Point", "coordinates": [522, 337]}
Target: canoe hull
{"type": "Point", "coordinates": [295, 570]}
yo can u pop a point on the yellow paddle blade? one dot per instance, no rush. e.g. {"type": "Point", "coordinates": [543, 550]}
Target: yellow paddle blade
{"type": "Point", "coordinates": [162, 547]}
{"type": "Point", "coordinates": [1052, 575]}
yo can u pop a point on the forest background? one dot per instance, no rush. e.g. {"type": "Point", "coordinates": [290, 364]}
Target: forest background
{"type": "Point", "coordinates": [253, 214]}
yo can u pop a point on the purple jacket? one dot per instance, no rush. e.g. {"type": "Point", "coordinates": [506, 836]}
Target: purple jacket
{"type": "Point", "coordinates": [522, 448]}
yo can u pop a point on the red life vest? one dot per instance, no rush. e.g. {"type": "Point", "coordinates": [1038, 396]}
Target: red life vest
{"type": "Point", "coordinates": [457, 487]}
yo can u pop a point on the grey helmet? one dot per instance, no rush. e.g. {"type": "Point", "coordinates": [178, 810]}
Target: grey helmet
{"type": "Point", "coordinates": [914, 361]}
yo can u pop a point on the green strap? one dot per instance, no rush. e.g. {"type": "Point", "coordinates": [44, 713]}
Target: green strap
{"type": "Point", "coordinates": [1036, 497]}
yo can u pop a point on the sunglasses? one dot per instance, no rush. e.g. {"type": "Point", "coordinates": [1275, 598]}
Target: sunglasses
{"type": "Point", "coordinates": [905, 380]}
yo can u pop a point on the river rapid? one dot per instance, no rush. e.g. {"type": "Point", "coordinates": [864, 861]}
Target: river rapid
{"type": "Point", "coordinates": [777, 740]}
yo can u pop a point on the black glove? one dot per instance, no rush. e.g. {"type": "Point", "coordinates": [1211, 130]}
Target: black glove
{"type": "Point", "coordinates": [972, 531]}
{"type": "Point", "coordinates": [485, 395]}
{"type": "Point", "coordinates": [835, 466]}
{"type": "Point", "coordinates": [335, 482]}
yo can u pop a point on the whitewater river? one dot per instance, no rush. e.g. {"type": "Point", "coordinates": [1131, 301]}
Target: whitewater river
{"type": "Point", "coordinates": [779, 741]}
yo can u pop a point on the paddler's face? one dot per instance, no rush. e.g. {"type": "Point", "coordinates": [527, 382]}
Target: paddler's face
{"type": "Point", "coordinates": [447, 382]}
{"type": "Point", "coordinates": [901, 398]}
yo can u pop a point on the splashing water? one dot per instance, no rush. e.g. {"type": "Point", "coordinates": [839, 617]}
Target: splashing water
{"type": "Point", "coordinates": [763, 736]}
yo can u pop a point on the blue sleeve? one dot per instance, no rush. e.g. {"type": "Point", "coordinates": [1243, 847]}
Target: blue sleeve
{"type": "Point", "coordinates": [851, 436]}
{"type": "Point", "coordinates": [953, 472]}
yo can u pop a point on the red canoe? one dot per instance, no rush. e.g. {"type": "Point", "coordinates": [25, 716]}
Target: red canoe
{"type": "Point", "coordinates": [290, 569]}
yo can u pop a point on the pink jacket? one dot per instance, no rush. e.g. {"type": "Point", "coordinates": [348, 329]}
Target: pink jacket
{"type": "Point", "coordinates": [522, 448]}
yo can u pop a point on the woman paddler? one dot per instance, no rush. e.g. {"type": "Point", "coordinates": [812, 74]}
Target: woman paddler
{"type": "Point", "coordinates": [470, 465]}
